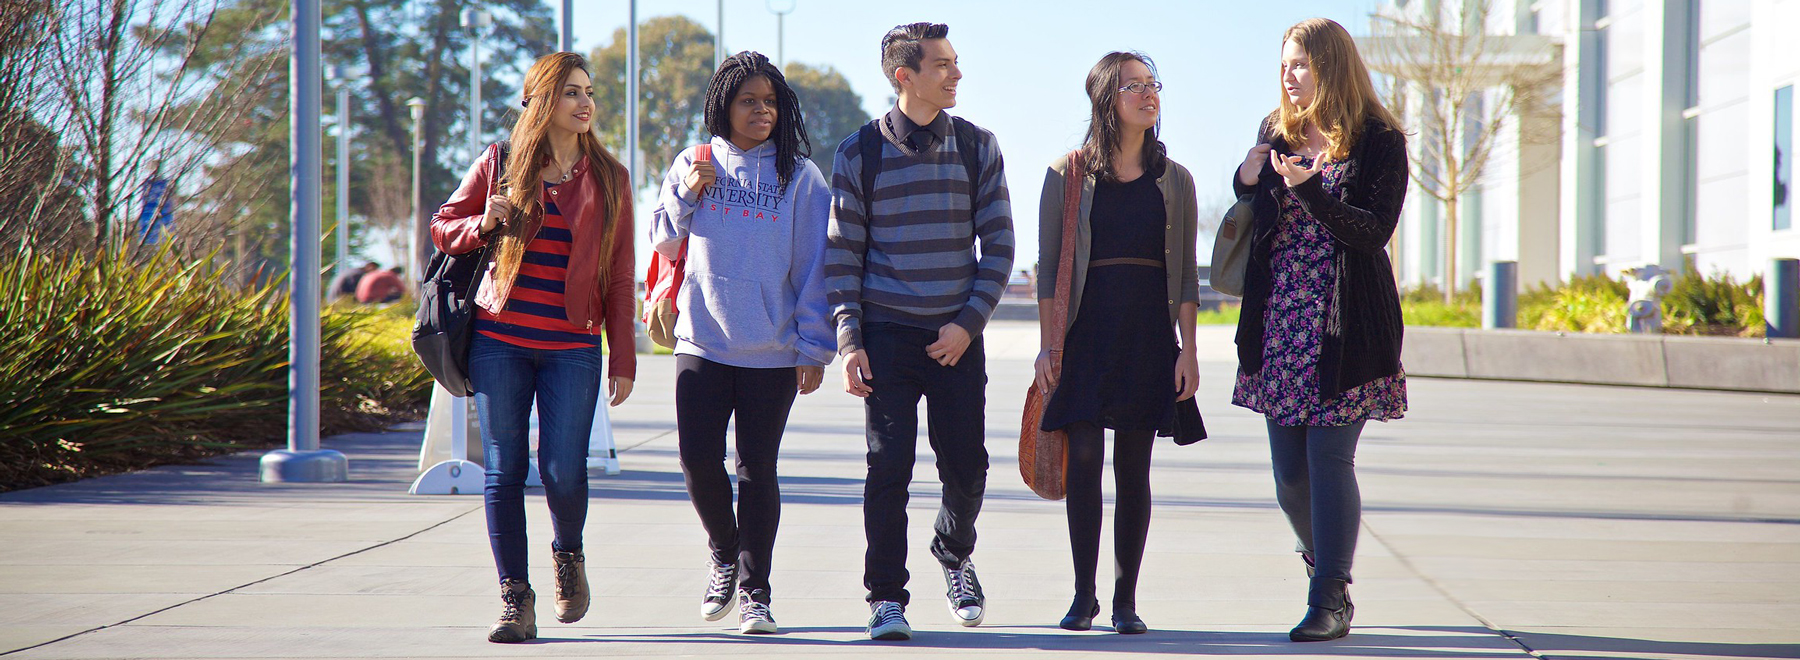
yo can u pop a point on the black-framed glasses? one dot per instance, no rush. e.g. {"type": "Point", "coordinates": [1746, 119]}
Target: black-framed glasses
{"type": "Point", "coordinates": [1140, 87]}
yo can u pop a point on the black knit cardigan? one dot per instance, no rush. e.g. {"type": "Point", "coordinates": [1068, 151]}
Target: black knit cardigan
{"type": "Point", "coordinates": [1362, 315]}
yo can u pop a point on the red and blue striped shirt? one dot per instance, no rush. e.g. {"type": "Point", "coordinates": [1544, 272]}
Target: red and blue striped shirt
{"type": "Point", "coordinates": [534, 316]}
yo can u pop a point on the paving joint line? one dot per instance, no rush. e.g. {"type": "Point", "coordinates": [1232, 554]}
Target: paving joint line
{"type": "Point", "coordinates": [1442, 591]}
{"type": "Point", "coordinates": [252, 583]}
{"type": "Point", "coordinates": [648, 440]}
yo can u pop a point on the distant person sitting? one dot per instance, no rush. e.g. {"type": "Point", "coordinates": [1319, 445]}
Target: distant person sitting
{"type": "Point", "coordinates": [344, 285]}
{"type": "Point", "coordinates": [380, 286]}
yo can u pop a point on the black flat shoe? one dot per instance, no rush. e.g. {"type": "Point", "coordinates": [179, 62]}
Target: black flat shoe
{"type": "Point", "coordinates": [1075, 620]}
{"type": "Point", "coordinates": [1126, 622]}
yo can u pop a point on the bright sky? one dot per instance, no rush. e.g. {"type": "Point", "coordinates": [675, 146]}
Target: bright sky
{"type": "Point", "coordinates": [1024, 65]}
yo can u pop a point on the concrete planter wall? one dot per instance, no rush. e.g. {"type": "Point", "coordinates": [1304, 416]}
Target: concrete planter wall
{"type": "Point", "coordinates": [1715, 363]}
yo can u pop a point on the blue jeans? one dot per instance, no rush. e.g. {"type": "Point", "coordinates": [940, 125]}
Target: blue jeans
{"type": "Point", "coordinates": [566, 384]}
{"type": "Point", "coordinates": [1315, 483]}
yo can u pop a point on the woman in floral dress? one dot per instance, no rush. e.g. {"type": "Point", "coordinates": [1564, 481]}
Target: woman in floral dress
{"type": "Point", "coordinates": [1319, 335]}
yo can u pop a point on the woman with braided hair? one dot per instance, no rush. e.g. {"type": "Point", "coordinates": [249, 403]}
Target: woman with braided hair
{"type": "Point", "coordinates": [753, 327]}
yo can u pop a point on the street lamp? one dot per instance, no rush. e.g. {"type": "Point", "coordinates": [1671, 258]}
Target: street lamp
{"type": "Point", "coordinates": [421, 234]}
{"type": "Point", "coordinates": [781, 9]}
{"type": "Point", "coordinates": [475, 21]}
{"type": "Point", "coordinates": [303, 460]}
{"type": "Point", "coordinates": [343, 170]}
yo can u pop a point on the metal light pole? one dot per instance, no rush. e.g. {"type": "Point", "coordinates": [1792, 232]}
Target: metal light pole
{"type": "Point", "coordinates": [565, 37]}
{"type": "Point", "coordinates": [421, 235]}
{"type": "Point", "coordinates": [781, 9]}
{"type": "Point", "coordinates": [719, 39]}
{"type": "Point", "coordinates": [343, 170]}
{"type": "Point", "coordinates": [631, 99]}
{"type": "Point", "coordinates": [475, 20]}
{"type": "Point", "coordinates": [303, 460]}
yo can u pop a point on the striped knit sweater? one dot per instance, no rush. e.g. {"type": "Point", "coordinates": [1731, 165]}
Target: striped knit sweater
{"type": "Point", "coordinates": [915, 264]}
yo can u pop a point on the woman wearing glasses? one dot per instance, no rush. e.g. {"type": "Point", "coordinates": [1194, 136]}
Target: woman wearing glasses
{"type": "Point", "coordinates": [1134, 281]}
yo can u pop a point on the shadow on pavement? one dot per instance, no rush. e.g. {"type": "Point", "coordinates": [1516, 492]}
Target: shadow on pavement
{"type": "Point", "coordinates": [1452, 643]}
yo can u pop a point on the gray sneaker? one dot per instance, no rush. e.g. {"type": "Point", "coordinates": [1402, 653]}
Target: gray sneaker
{"type": "Point", "coordinates": [754, 617]}
{"type": "Point", "coordinates": [721, 583]}
{"type": "Point", "coordinates": [964, 595]}
{"type": "Point", "coordinates": [887, 621]}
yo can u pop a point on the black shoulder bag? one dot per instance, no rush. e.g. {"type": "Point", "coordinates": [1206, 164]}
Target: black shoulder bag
{"type": "Point", "coordinates": [446, 321]}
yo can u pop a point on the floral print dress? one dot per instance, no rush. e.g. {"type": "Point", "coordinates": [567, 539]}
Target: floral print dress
{"type": "Point", "coordinates": [1286, 390]}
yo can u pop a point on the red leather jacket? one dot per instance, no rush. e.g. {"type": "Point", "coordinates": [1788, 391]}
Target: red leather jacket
{"type": "Point", "coordinates": [456, 229]}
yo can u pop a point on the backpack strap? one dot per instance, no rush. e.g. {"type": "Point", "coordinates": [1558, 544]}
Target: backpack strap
{"type": "Point", "coordinates": [868, 143]}
{"type": "Point", "coordinates": [968, 146]}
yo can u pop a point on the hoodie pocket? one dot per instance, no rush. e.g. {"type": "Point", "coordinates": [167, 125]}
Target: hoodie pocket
{"type": "Point", "coordinates": [725, 315]}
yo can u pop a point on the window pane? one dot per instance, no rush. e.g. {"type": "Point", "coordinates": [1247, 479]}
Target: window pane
{"type": "Point", "coordinates": [1784, 157]}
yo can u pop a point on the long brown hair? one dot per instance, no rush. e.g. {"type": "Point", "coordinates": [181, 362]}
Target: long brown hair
{"type": "Point", "coordinates": [531, 153]}
{"type": "Point", "coordinates": [1345, 97]}
{"type": "Point", "coordinates": [1103, 137]}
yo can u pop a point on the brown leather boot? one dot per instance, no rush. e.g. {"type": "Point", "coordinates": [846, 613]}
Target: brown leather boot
{"type": "Point", "coordinates": [571, 586]}
{"type": "Point", "coordinates": [518, 620]}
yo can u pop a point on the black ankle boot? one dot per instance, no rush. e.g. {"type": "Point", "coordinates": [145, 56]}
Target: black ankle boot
{"type": "Point", "coordinates": [1328, 612]}
{"type": "Point", "coordinates": [1081, 613]}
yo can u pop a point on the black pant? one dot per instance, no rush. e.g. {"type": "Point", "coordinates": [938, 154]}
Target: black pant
{"type": "Point", "coordinates": [955, 400]}
{"type": "Point", "coordinates": [1131, 514]}
{"type": "Point", "coordinates": [1315, 482]}
{"type": "Point", "coordinates": [706, 396]}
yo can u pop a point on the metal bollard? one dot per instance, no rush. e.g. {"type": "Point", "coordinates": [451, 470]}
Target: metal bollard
{"type": "Point", "coordinates": [1781, 299]}
{"type": "Point", "coordinates": [1500, 296]}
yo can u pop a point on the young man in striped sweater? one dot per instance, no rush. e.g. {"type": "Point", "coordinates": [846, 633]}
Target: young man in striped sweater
{"type": "Point", "coordinates": [912, 194]}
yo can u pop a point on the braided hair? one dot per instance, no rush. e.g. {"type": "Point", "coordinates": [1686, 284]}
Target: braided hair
{"type": "Point", "coordinates": [791, 141]}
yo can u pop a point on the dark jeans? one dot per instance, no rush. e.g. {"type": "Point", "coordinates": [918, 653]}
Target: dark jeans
{"type": "Point", "coordinates": [955, 399]}
{"type": "Point", "coordinates": [1315, 482]}
{"type": "Point", "coordinates": [1131, 514]}
{"type": "Point", "coordinates": [566, 384]}
{"type": "Point", "coordinates": [706, 396]}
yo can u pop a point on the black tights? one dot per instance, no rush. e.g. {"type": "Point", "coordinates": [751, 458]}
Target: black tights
{"type": "Point", "coordinates": [1131, 514]}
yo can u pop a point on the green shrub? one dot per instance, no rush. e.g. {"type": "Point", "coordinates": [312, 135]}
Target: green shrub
{"type": "Point", "coordinates": [1583, 310]}
{"type": "Point", "coordinates": [116, 362]}
{"type": "Point", "coordinates": [1713, 305]}
{"type": "Point", "coordinates": [1226, 314]}
{"type": "Point", "coordinates": [1437, 314]}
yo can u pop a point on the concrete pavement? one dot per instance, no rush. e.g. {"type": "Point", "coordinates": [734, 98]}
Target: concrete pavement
{"type": "Point", "coordinates": [1502, 520]}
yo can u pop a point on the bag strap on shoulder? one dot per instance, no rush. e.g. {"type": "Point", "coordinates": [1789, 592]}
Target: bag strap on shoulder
{"type": "Point", "coordinates": [1073, 176]}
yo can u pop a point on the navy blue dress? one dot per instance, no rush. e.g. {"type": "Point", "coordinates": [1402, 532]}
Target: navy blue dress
{"type": "Point", "coordinates": [1119, 357]}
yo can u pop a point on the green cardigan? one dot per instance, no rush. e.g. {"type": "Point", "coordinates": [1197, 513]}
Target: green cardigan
{"type": "Point", "coordinates": [1180, 232]}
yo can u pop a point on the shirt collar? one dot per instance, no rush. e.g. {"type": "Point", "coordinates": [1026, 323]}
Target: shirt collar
{"type": "Point", "coordinates": [903, 126]}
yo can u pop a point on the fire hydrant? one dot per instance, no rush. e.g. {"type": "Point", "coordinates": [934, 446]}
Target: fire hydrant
{"type": "Point", "coordinates": [1643, 311]}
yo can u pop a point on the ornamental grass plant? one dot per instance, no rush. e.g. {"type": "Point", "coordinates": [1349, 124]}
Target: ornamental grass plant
{"type": "Point", "coordinates": [118, 361]}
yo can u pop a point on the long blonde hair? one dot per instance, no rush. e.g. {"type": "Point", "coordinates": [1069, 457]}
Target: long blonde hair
{"type": "Point", "coordinates": [531, 153]}
{"type": "Point", "coordinates": [1345, 97]}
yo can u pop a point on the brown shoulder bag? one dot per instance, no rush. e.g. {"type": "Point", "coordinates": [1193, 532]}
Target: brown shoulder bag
{"type": "Point", "coordinates": [1044, 455]}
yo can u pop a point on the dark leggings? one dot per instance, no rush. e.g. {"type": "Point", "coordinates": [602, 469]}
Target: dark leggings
{"type": "Point", "coordinates": [1131, 514]}
{"type": "Point", "coordinates": [1315, 482]}
{"type": "Point", "coordinates": [707, 394]}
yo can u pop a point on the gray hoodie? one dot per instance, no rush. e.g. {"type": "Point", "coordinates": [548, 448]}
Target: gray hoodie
{"type": "Point", "coordinates": [754, 294]}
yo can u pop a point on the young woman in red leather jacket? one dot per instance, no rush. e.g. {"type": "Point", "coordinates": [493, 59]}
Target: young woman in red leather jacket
{"type": "Point", "coordinates": [558, 221]}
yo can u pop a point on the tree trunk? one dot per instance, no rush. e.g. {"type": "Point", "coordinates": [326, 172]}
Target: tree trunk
{"type": "Point", "coordinates": [1450, 244]}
